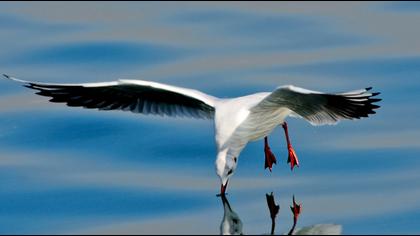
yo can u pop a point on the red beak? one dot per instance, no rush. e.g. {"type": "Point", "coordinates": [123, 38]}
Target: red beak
{"type": "Point", "coordinates": [223, 188]}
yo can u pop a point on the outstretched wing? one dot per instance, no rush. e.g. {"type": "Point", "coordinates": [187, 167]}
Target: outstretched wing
{"type": "Point", "coordinates": [321, 108]}
{"type": "Point", "coordinates": [137, 96]}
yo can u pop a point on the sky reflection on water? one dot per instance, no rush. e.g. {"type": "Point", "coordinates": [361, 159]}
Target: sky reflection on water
{"type": "Point", "coordinates": [69, 170]}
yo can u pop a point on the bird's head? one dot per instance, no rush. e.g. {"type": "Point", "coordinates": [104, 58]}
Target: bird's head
{"type": "Point", "coordinates": [225, 167]}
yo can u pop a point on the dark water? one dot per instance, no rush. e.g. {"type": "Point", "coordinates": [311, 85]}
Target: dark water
{"type": "Point", "coordinates": [69, 170]}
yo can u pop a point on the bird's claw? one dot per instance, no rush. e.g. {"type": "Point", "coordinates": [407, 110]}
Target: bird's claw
{"type": "Point", "coordinates": [292, 159]}
{"type": "Point", "coordinates": [270, 159]}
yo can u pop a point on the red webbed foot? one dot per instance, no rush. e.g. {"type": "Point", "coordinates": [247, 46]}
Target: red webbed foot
{"type": "Point", "coordinates": [292, 159]}
{"type": "Point", "coordinates": [270, 159]}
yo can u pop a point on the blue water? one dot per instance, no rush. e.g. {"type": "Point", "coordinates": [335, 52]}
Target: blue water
{"type": "Point", "coordinates": [69, 170]}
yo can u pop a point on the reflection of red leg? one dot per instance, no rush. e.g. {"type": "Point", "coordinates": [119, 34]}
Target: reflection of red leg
{"type": "Point", "coordinates": [274, 210]}
{"type": "Point", "coordinates": [296, 209]}
{"type": "Point", "coordinates": [269, 156]}
{"type": "Point", "coordinates": [292, 159]}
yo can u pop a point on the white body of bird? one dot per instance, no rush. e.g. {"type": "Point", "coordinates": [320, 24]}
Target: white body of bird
{"type": "Point", "coordinates": [237, 122]}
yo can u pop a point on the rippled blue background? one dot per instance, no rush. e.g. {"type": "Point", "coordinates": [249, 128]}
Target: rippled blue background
{"type": "Point", "coordinates": [70, 170]}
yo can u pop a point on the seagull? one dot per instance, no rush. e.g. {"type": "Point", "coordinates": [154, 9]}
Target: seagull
{"type": "Point", "coordinates": [237, 121]}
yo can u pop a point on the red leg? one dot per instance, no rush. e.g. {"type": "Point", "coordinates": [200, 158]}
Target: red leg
{"type": "Point", "coordinates": [269, 156]}
{"type": "Point", "coordinates": [292, 159]}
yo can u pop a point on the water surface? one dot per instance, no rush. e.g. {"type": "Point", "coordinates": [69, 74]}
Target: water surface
{"type": "Point", "coordinates": [68, 170]}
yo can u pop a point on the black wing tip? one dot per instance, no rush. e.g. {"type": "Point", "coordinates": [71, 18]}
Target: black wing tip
{"type": "Point", "coordinates": [6, 76]}
{"type": "Point", "coordinates": [359, 107]}
{"type": "Point", "coordinates": [375, 94]}
{"type": "Point", "coordinates": [372, 103]}
{"type": "Point", "coordinates": [373, 99]}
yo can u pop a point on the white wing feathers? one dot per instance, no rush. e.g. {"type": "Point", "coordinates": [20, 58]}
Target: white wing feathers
{"type": "Point", "coordinates": [137, 96]}
{"type": "Point", "coordinates": [321, 108]}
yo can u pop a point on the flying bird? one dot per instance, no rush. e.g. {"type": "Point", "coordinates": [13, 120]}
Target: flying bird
{"type": "Point", "coordinates": [237, 120]}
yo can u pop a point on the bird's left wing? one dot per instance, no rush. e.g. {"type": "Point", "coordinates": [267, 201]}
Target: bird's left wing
{"type": "Point", "coordinates": [320, 108]}
{"type": "Point", "coordinates": [137, 96]}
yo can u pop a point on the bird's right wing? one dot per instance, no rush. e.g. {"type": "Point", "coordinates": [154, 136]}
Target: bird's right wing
{"type": "Point", "coordinates": [321, 108]}
{"type": "Point", "coordinates": [137, 96]}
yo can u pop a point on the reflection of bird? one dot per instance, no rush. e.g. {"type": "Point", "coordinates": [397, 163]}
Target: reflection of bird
{"type": "Point", "coordinates": [237, 120]}
{"type": "Point", "coordinates": [317, 229]}
{"type": "Point", "coordinates": [231, 223]}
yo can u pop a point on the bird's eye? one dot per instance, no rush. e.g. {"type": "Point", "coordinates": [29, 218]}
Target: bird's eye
{"type": "Point", "coordinates": [230, 172]}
